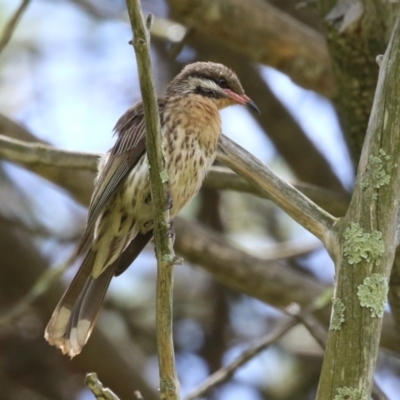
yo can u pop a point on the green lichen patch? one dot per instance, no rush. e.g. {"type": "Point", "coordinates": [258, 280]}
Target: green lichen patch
{"type": "Point", "coordinates": [373, 293]}
{"type": "Point", "coordinates": [164, 176]}
{"type": "Point", "coordinates": [337, 314]}
{"type": "Point", "coordinates": [359, 245]}
{"type": "Point", "coordinates": [346, 393]}
{"type": "Point", "coordinates": [376, 175]}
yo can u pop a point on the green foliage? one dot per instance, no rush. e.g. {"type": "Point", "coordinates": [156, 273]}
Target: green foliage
{"type": "Point", "coordinates": [359, 245]}
{"type": "Point", "coordinates": [373, 293]}
{"type": "Point", "coordinates": [346, 393]}
{"type": "Point", "coordinates": [337, 314]}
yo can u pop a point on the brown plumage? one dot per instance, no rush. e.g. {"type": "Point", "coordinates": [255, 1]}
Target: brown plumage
{"type": "Point", "coordinates": [119, 223]}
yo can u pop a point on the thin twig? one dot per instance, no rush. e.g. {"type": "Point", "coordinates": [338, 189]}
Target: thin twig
{"type": "Point", "coordinates": [97, 388]}
{"type": "Point", "coordinates": [316, 330]}
{"type": "Point", "coordinates": [12, 24]}
{"type": "Point", "coordinates": [223, 374]}
{"type": "Point", "coordinates": [42, 284]}
{"type": "Point", "coordinates": [294, 203]}
{"type": "Point", "coordinates": [169, 384]}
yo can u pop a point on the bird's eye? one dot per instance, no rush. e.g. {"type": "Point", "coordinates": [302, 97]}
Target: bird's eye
{"type": "Point", "coordinates": [223, 83]}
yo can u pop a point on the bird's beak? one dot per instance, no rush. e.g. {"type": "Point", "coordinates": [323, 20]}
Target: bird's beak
{"type": "Point", "coordinates": [242, 99]}
{"type": "Point", "coordinates": [249, 103]}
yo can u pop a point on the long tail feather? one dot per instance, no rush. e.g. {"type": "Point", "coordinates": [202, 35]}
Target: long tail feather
{"type": "Point", "coordinates": [75, 315]}
{"type": "Point", "coordinates": [73, 319]}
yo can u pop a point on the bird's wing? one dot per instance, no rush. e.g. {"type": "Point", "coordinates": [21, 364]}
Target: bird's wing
{"type": "Point", "coordinates": [129, 147]}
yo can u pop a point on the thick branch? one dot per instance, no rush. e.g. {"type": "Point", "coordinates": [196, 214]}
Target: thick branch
{"type": "Point", "coordinates": [301, 209]}
{"type": "Point", "coordinates": [368, 240]}
{"type": "Point", "coordinates": [272, 37]}
{"type": "Point", "coordinates": [169, 384]}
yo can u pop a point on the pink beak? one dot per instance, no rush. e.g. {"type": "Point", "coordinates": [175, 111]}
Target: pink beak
{"type": "Point", "coordinates": [242, 99]}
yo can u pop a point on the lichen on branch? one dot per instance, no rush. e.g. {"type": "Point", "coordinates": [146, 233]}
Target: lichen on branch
{"type": "Point", "coordinates": [373, 294]}
{"type": "Point", "coordinates": [359, 245]}
{"type": "Point", "coordinates": [337, 314]}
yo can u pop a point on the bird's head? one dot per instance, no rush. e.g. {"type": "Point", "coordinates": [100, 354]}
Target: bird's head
{"type": "Point", "coordinates": [211, 80]}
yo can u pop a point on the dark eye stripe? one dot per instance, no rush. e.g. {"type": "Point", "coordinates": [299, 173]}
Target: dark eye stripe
{"type": "Point", "coordinates": [206, 92]}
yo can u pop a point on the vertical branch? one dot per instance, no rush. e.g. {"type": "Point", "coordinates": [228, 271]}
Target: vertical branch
{"type": "Point", "coordinates": [169, 385]}
{"type": "Point", "coordinates": [368, 236]}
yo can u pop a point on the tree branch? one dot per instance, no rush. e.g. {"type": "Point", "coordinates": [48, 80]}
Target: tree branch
{"type": "Point", "coordinates": [97, 388]}
{"type": "Point", "coordinates": [169, 384]}
{"type": "Point", "coordinates": [42, 154]}
{"type": "Point", "coordinates": [223, 374]}
{"type": "Point", "coordinates": [78, 182]}
{"type": "Point", "coordinates": [368, 240]}
{"type": "Point", "coordinates": [224, 179]}
{"type": "Point", "coordinates": [301, 209]}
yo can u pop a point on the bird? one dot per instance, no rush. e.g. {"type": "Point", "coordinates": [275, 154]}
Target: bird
{"type": "Point", "coordinates": [119, 221]}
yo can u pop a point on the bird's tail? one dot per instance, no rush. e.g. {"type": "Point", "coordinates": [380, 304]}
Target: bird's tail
{"type": "Point", "coordinates": [73, 319]}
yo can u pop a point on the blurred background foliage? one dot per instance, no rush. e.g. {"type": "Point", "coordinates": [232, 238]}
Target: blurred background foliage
{"type": "Point", "coordinates": [66, 76]}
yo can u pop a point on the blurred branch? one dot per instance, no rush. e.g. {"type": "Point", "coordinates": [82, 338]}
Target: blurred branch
{"type": "Point", "coordinates": [272, 37]}
{"type": "Point", "coordinates": [272, 283]}
{"type": "Point", "coordinates": [294, 203]}
{"type": "Point", "coordinates": [300, 316]}
{"type": "Point", "coordinates": [169, 384]}
{"type": "Point", "coordinates": [226, 372]}
{"type": "Point", "coordinates": [78, 182]}
{"type": "Point", "coordinates": [283, 250]}
{"type": "Point", "coordinates": [41, 154]}
{"type": "Point", "coordinates": [12, 24]}
{"type": "Point", "coordinates": [40, 287]}
{"type": "Point", "coordinates": [267, 281]}
{"type": "Point", "coordinates": [97, 388]}
{"type": "Point", "coordinates": [307, 319]}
